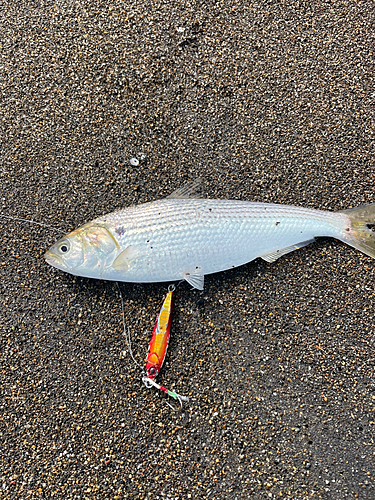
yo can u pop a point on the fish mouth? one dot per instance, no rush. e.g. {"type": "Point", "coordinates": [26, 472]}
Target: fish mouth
{"type": "Point", "coordinates": [55, 262]}
{"type": "Point", "coordinates": [50, 262]}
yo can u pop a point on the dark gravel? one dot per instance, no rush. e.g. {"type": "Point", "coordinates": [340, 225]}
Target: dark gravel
{"type": "Point", "coordinates": [269, 101]}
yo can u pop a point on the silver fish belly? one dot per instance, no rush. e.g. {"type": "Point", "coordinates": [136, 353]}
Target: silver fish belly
{"type": "Point", "coordinates": [185, 238]}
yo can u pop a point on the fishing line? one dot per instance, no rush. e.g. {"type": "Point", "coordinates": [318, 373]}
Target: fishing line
{"type": "Point", "coordinates": [19, 219]}
{"type": "Point", "coordinates": [127, 331]}
{"type": "Point", "coordinates": [149, 382]}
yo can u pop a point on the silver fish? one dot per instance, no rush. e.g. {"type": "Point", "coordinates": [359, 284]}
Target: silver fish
{"type": "Point", "coordinates": [184, 237]}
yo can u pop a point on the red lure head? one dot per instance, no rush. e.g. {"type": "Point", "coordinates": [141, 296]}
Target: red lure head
{"type": "Point", "coordinates": [153, 365]}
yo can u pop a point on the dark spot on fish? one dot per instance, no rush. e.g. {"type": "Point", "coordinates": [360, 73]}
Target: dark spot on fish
{"type": "Point", "coordinates": [371, 227]}
{"type": "Point", "coordinates": [210, 209]}
{"type": "Point", "coordinates": [232, 266]}
{"type": "Point", "coordinates": [120, 230]}
{"type": "Point", "coordinates": [151, 248]}
{"type": "Point", "coordinates": [277, 223]}
{"type": "Point", "coordinates": [148, 241]}
{"type": "Point", "coordinates": [347, 229]}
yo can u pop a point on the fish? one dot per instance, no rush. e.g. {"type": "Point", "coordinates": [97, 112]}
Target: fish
{"type": "Point", "coordinates": [186, 237]}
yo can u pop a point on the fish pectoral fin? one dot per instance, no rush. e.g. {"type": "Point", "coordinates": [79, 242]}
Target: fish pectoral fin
{"type": "Point", "coordinates": [271, 257]}
{"type": "Point", "coordinates": [122, 261]}
{"type": "Point", "coordinates": [189, 190]}
{"type": "Point", "coordinates": [195, 279]}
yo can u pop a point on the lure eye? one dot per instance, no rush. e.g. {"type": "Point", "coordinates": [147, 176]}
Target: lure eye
{"type": "Point", "coordinates": [152, 371]}
{"type": "Point", "coordinates": [64, 247]}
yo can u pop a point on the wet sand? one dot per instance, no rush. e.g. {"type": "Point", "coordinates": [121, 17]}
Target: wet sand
{"type": "Point", "coordinates": [266, 101]}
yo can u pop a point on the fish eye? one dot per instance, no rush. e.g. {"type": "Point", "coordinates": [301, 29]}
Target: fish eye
{"type": "Point", "coordinates": [64, 247]}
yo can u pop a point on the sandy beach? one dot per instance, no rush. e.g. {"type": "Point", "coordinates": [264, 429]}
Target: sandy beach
{"type": "Point", "coordinates": [265, 101]}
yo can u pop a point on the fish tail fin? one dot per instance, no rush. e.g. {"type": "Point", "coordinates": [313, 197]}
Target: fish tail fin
{"type": "Point", "coordinates": [360, 230]}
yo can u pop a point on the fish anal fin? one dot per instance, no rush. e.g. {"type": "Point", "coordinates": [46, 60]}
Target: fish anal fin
{"type": "Point", "coordinates": [271, 257]}
{"type": "Point", "coordinates": [189, 190]}
{"type": "Point", "coordinates": [122, 261]}
{"type": "Point", "coordinates": [195, 279]}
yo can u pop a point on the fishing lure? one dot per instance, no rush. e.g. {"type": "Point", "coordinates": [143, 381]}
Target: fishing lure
{"type": "Point", "coordinates": [157, 348]}
{"type": "Point", "coordinates": [158, 345]}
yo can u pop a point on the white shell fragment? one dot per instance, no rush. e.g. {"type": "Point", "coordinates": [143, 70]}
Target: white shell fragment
{"type": "Point", "coordinates": [134, 162]}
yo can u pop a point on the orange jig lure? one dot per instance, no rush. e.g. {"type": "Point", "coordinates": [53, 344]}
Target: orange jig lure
{"type": "Point", "coordinates": [157, 348]}
{"type": "Point", "coordinates": [158, 345]}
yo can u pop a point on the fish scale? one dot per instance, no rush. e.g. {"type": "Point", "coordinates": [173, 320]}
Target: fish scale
{"type": "Point", "coordinates": [186, 238]}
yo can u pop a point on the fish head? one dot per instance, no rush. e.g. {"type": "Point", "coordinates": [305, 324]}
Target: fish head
{"type": "Point", "coordinates": [83, 252]}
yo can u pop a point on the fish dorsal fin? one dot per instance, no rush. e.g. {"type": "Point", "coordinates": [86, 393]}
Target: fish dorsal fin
{"type": "Point", "coordinates": [122, 261]}
{"type": "Point", "coordinates": [190, 190]}
{"type": "Point", "coordinates": [195, 279]}
{"type": "Point", "coordinates": [271, 257]}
